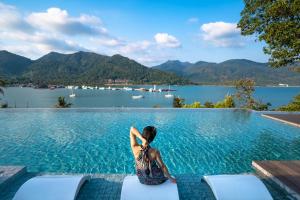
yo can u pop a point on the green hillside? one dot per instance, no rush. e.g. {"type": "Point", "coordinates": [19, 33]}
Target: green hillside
{"type": "Point", "coordinates": [229, 71]}
{"type": "Point", "coordinates": [85, 68]}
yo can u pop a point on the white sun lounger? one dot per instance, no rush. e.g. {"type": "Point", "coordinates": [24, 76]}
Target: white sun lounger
{"type": "Point", "coordinates": [237, 187]}
{"type": "Point", "coordinates": [50, 187]}
{"type": "Point", "coordinates": [132, 189]}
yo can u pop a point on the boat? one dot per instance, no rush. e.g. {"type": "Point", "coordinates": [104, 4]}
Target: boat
{"type": "Point", "coordinates": [127, 89]}
{"type": "Point", "coordinates": [138, 97]}
{"type": "Point", "coordinates": [283, 85]}
{"type": "Point", "coordinates": [101, 88]}
{"type": "Point", "coordinates": [72, 95]}
{"type": "Point", "coordinates": [169, 95]}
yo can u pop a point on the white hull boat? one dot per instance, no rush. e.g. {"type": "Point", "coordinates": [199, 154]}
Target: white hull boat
{"type": "Point", "coordinates": [138, 97]}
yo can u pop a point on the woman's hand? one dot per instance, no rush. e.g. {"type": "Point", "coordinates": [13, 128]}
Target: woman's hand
{"type": "Point", "coordinates": [144, 142]}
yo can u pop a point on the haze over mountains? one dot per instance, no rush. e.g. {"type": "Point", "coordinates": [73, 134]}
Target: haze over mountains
{"type": "Point", "coordinates": [91, 68]}
{"type": "Point", "coordinates": [228, 71]}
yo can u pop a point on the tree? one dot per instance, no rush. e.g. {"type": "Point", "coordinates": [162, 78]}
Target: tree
{"type": "Point", "coordinates": [228, 102]}
{"type": "Point", "coordinates": [293, 106]}
{"type": "Point", "coordinates": [277, 23]}
{"type": "Point", "coordinates": [208, 104]}
{"type": "Point", "coordinates": [2, 84]}
{"type": "Point", "coordinates": [245, 88]}
{"type": "Point", "coordinates": [61, 103]}
{"type": "Point", "coordinates": [178, 102]}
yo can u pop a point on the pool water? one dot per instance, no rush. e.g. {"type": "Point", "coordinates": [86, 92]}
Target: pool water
{"type": "Point", "coordinates": [199, 141]}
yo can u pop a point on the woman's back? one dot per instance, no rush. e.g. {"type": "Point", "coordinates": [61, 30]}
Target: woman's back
{"type": "Point", "coordinates": [147, 169]}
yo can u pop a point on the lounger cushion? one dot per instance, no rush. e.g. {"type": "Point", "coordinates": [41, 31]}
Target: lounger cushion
{"type": "Point", "coordinates": [132, 189]}
{"type": "Point", "coordinates": [236, 187]}
{"type": "Point", "coordinates": [48, 187]}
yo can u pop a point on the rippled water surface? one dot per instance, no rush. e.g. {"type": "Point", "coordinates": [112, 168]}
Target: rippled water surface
{"type": "Point", "coordinates": [45, 98]}
{"type": "Point", "coordinates": [97, 140]}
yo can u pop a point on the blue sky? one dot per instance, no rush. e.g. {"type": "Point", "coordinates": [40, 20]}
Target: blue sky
{"type": "Point", "coordinates": [149, 31]}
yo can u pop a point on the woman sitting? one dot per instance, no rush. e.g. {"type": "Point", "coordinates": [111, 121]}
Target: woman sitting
{"type": "Point", "coordinates": [150, 168]}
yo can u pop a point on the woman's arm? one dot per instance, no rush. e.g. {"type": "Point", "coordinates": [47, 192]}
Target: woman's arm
{"type": "Point", "coordinates": [164, 167]}
{"type": "Point", "coordinates": [134, 133]}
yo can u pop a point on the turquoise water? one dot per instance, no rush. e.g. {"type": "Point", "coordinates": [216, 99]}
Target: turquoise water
{"type": "Point", "coordinates": [97, 140]}
{"type": "Point", "coordinates": [45, 98]}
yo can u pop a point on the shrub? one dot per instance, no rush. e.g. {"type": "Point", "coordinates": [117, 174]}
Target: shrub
{"type": "Point", "coordinates": [62, 103]}
{"type": "Point", "coordinates": [196, 104]}
{"type": "Point", "coordinates": [178, 102]}
{"type": "Point", "coordinates": [208, 104]}
{"type": "Point", "coordinates": [293, 106]}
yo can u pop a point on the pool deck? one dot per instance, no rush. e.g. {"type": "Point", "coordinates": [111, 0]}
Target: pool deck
{"type": "Point", "coordinates": [292, 119]}
{"type": "Point", "coordinates": [285, 173]}
{"type": "Point", "coordinates": [108, 186]}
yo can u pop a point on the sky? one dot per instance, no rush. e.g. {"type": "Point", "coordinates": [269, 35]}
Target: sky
{"type": "Point", "coordinates": [148, 31]}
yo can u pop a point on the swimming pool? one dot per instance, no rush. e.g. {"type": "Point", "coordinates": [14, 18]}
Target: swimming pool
{"type": "Point", "coordinates": [191, 141]}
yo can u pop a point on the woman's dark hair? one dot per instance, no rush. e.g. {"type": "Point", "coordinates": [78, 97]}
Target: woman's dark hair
{"type": "Point", "coordinates": [149, 133]}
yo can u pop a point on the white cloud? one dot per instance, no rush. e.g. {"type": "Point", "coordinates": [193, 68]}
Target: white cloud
{"type": "Point", "coordinates": [136, 47]}
{"type": "Point", "coordinates": [166, 40]}
{"type": "Point", "coordinates": [37, 33]}
{"type": "Point", "coordinates": [58, 20]}
{"type": "Point", "coordinates": [193, 20]}
{"type": "Point", "coordinates": [107, 42]}
{"type": "Point", "coordinates": [222, 34]}
{"type": "Point", "coordinates": [11, 19]}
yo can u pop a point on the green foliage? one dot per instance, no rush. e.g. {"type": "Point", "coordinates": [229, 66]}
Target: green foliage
{"type": "Point", "coordinates": [277, 23]}
{"type": "Point", "coordinates": [261, 106]}
{"type": "Point", "coordinates": [244, 90]}
{"type": "Point", "coordinates": [196, 104]}
{"type": "Point", "coordinates": [293, 106]}
{"type": "Point", "coordinates": [62, 103]}
{"type": "Point", "coordinates": [4, 105]}
{"type": "Point", "coordinates": [2, 84]}
{"type": "Point", "coordinates": [227, 72]}
{"type": "Point", "coordinates": [13, 65]}
{"type": "Point", "coordinates": [228, 102]}
{"type": "Point", "coordinates": [178, 102]}
{"type": "Point", "coordinates": [208, 104]}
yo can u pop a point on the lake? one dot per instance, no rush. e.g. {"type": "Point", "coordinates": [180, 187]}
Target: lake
{"type": "Point", "coordinates": [43, 98]}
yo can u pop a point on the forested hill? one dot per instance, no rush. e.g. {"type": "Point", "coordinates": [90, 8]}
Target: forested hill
{"type": "Point", "coordinates": [12, 65]}
{"type": "Point", "coordinates": [227, 72]}
{"type": "Point", "coordinates": [81, 68]}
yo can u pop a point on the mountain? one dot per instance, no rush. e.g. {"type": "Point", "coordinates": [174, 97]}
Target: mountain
{"type": "Point", "coordinates": [88, 68]}
{"type": "Point", "coordinates": [12, 64]}
{"type": "Point", "coordinates": [228, 71]}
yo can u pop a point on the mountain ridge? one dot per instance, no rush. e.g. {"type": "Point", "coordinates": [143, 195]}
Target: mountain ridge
{"type": "Point", "coordinates": [226, 72]}
{"type": "Point", "coordinates": [86, 68]}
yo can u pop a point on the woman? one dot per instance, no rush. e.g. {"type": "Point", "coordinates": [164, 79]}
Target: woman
{"type": "Point", "coordinates": [150, 168]}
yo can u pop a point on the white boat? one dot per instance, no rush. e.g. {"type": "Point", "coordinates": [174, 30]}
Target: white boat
{"type": "Point", "coordinates": [169, 95]}
{"type": "Point", "coordinates": [138, 97]}
{"type": "Point", "coordinates": [283, 85]}
{"type": "Point", "coordinates": [84, 87]}
{"type": "Point", "coordinates": [72, 95]}
{"type": "Point", "coordinates": [127, 89]}
{"type": "Point", "coordinates": [101, 88]}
